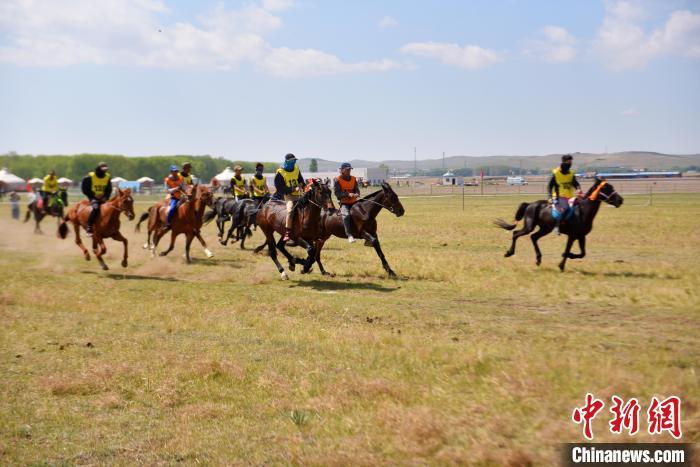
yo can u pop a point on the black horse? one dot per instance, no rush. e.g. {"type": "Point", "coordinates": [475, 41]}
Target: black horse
{"type": "Point", "coordinates": [56, 204]}
{"type": "Point", "coordinates": [538, 214]}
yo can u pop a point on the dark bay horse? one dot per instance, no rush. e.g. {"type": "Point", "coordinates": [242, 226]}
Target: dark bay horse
{"type": "Point", "coordinates": [364, 222]}
{"type": "Point", "coordinates": [539, 214]}
{"type": "Point", "coordinates": [306, 227]}
{"type": "Point", "coordinates": [106, 225]}
{"type": "Point", "coordinates": [188, 220]}
{"type": "Point", "coordinates": [55, 208]}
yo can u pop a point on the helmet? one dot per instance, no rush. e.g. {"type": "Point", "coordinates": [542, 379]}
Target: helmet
{"type": "Point", "coordinates": [174, 168]}
{"type": "Point", "coordinates": [345, 165]}
{"type": "Point", "coordinates": [290, 156]}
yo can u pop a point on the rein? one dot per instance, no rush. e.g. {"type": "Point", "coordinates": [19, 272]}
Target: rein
{"type": "Point", "coordinates": [388, 208]}
{"type": "Point", "coordinates": [597, 192]}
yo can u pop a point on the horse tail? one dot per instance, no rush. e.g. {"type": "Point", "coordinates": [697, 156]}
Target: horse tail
{"type": "Point", "coordinates": [143, 217]}
{"type": "Point", "coordinates": [208, 216]}
{"type": "Point", "coordinates": [63, 227]}
{"type": "Point", "coordinates": [519, 214]}
{"type": "Point", "coordinates": [521, 211]}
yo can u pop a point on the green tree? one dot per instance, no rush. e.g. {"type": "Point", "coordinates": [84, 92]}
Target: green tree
{"type": "Point", "coordinates": [313, 165]}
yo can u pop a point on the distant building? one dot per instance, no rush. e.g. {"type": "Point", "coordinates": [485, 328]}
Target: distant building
{"type": "Point", "coordinates": [448, 178]}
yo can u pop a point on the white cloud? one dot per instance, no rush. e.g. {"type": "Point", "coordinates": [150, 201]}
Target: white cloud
{"type": "Point", "coordinates": [557, 46]}
{"type": "Point", "coordinates": [388, 22]}
{"type": "Point", "coordinates": [137, 33]}
{"type": "Point", "coordinates": [631, 112]}
{"type": "Point", "coordinates": [622, 43]}
{"type": "Point", "coordinates": [469, 56]}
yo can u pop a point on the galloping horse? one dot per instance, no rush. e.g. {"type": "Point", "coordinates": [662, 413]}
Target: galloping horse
{"type": "Point", "coordinates": [106, 225]}
{"type": "Point", "coordinates": [537, 214]}
{"type": "Point", "coordinates": [364, 222]}
{"type": "Point", "coordinates": [306, 227]}
{"type": "Point", "coordinates": [55, 208]}
{"type": "Point", "coordinates": [188, 220]}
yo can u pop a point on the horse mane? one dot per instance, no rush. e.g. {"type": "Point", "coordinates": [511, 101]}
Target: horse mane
{"type": "Point", "coordinates": [593, 187]}
{"type": "Point", "coordinates": [371, 194]}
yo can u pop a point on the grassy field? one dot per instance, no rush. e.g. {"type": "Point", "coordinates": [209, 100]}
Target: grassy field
{"type": "Point", "coordinates": [468, 357]}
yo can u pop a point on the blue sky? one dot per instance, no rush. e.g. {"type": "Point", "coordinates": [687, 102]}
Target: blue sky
{"type": "Point", "coordinates": [340, 80]}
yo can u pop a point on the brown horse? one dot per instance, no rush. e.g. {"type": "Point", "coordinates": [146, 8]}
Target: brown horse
{"type": "Point", "coordinates": [364, 223]}
{"type": "Point", "coordinates": [106, 225]}
{"type": "Point", "coordinates": [187, 220]}
{"type": "Point", "coordinates": [306, 227]}
{"type": "Point", "coordinates": [538, 214]}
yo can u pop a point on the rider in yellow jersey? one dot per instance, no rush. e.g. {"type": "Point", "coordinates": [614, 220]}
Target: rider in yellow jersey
{"type": "Point", "coordinates": [50, 187]}
{"type": "Point", "coordinates": [561, 190]}
{"type": "Point", "coordinates": [289, 185]}
{"type": "Point", "coordinates": [186, 173]}
{"type": "Point", "coordinates": [258, 184]}
{"type": "Point", "coordinates": [97, 186]}
{"type": "Point", "coordinates": [239, 185]}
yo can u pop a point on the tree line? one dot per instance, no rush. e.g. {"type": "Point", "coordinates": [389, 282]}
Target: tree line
{"type": "Point", "coordinates": [76, 167]}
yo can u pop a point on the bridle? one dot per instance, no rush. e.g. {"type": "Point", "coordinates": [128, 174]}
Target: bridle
{"type": "Point", "coordinates": [597, 192]}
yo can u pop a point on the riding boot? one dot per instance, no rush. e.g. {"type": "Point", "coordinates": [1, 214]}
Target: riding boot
{"type": "Point", "coordinates": [347, 224]}
{"type": "Point", "coordinates": [92, 217]}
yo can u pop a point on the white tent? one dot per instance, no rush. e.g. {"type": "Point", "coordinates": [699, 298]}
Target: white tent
{"type": "Point", "coordinates": [63, 181]}
{"type": "Point", "coordinates": [225, 176]}
{"type": "Point", "coordinates": [35, 181]}
{"type": "Point", "coordinates": [145, 180]}
{"type": "Point", "coordinates": [117, 180]}
{"type": "Point", "coordinates": [11, 181]}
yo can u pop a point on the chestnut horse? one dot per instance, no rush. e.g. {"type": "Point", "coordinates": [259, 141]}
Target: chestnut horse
{"type": "Point", "coordinates": [305, 229]}
{"type": "Point", "coordinates": [364, 223]}
{"type": "Point", "coordinates": [187, 220]}
{"type": "Point", "coordinates": [106, 225]}
{"type": "Point", "coordinates": [539, 214]}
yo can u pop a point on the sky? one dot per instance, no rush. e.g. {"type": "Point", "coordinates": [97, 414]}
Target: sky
{"type": "Point", "coordinates": [254, 80]}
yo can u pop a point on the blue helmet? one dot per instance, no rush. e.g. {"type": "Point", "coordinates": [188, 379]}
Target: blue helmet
{"type": "Point", "coordinates": [345, 165]}
{"type": "Point", "coordinates": [174, 168]}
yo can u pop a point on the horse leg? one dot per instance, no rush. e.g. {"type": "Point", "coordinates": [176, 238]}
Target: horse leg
{"type": "Point", "coordinates": [229, 234]}
{"type": "Point", "coordinates": [319, 246]}
{"type": "Point", "coordinates": [536, 236]}
{"type": "Point", "coordinates": [172, 244]}
{"type": "Point", "coordinates": [291, 260]}
{"type": "Point", "coordinates": [582, 246]}
{"type": "Point", "coordinates": [567, 252]}
{"type": "Point", "coordinates": [99, 249]}
{"type": "Point", "coordinates": [272, 251]}
{"type": "Point", "coordinates": [207, 251]}
{"type": "Point", "coordinates": [157, 235]}
{"type": "Point", "coordinates": [79, 242]}
{"type": "Point", "coordinates": [527, 228]}
{"type": "Point", "coordinates": [311, 255]}
{"type": "Point", "coordinates": [120, 238]}
{"type": "Point", "coordinates": [258, 249]}
{"type": "Point", "coordinates": [188, 241]}
{"type": "Point", "coordinates": [377, 247]}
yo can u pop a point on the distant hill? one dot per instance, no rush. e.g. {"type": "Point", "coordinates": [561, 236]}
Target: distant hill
{"type": "Point", "coordinates": [635, 160]}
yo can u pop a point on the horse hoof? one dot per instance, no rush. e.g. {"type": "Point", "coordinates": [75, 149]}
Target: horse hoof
{"type": "Point", "coordinates": [125, 263]}
{"type": "Point", "coordinates": [209, 253]}
{"type": "Point", "coordinates": [284, 276]}
{"type": "Point", "coordinates": [392, 275]}
{"type": "Point", "coordinates": [146, 246]}
{"type": "Point", "coordinates": [87, 257]}
{"type": "Point", "coordinates": [538, 262]}
{"type": "Point", "coordinates": [508, 254]}
{"type": "Point", "coordinates": [104, 267]}
{"type": "Point", "coordinates": [292, 266]}
{"type": "Point", "coordinates": [561, 267]}
{"type": "Point", "coordinates": [162, 253]}
{"type": "Point", "coordinates": [327, 274]}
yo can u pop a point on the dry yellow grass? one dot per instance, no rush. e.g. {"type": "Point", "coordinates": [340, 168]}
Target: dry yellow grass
{"type": "Point", "coordinates": [467, 358]}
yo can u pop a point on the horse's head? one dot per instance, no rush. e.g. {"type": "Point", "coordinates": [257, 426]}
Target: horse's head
{"type": "Point", "coordinates": [601, 189]}
{"type": "Point", "coordinates": [126, 203]}
{"type": "Point", "coordinates": [205, 194]}
{"type": "Point", "coordinates": [318, 192]}
{"type": "Point", "coordinates": [391, 200]}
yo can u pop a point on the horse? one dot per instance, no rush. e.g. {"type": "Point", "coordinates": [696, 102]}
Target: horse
{"type": "Point", "coordinates": [364, 224]}
{"type": "Point", "coordinates": [56, 205]}
{"type": "Point", "coordinates": [306, 227]}
{"type": "Point", "coordinates": [106, 225]}
{"type": "Point", "coordinates": [538, 214]}
{"type": "Point", "coordinates": [188, 220]}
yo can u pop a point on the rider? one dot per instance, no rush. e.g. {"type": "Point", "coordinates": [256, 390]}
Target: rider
{"type": "Point", "coordinates": [97, 186]}
{"type": "Point", "coordinates": [258, 184]}
{"type": "Point", "coordinates": [561, 188]}
{"type": "Point", "coordinates": [346, 190]}
{"type": "Point", "coordinates": [175, 184]}
{"type": "Point", "coordinates": [239, 186]}
{"type": "Point", "coordinates": [288, 185]}
{"type": "Point", "coordinates": [186, 173]}
{"type": "Point", "coordinates": [50, 187]}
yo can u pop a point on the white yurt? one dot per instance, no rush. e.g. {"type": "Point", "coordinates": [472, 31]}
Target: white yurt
{"type": "Point", "coordinates": [11, 181]}
{"type": "Point", "coordinates": [225, 177]}
{"type": "Point", "coordinates": [117, 180]}
{"type": "Point", "coordinates": [65, 182]}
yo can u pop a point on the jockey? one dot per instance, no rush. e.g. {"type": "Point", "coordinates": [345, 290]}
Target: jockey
{"type": "Point", "coordinates": [258, 184]}
{"type": "Point", "coordinates": [175, 184]}
{"type": "Point", "coordinates": [186, 173]}
{"type": "Point", "coordinates": [561, 188]}
{"type": "Point", "coordinates": [97, 186]}
{"type": "Point", "coordinates": [50, 187]}
{"type": "Point", "coordinates": [239, 186]}
{"type": "Point", "coordinates": [288, 185]}
{"type": "Point", "coordinates": [346, 190]}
